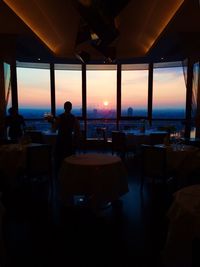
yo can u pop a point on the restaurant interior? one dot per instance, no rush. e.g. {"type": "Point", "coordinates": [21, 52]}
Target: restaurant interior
{"type": "Point", "coordinates": [129, 194]}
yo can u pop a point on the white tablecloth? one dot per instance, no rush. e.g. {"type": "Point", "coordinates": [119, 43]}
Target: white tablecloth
{"type": "Point", "coordinates": [136, 137]}
{"type": "Point", "coordinates": [177, 154]}
{"type": "Point", "coordinates": [146, 132]}
{"type": "Point", "coordinates": [184, 227]}
{"type": "Point", "coordinates": [100, 176]}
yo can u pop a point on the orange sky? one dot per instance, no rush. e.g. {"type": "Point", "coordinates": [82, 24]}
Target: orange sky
{"type": "Point", "coordinates": [34, 88]}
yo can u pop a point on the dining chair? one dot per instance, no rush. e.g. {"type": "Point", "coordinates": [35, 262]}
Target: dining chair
{"type": "Point", "coordinates": [153, 164]}
{"type": "Point", "coordinates": [101, 133]}
{"type": "Point", "coordinates": [101, 138]}
{"type": "Point", "coordinates": [35, 136]}
{"type": "Point", "coordinates": [39, 166]}
{"type": "Point", "coordinates": [119, 143]}
{"type": "Point", "coordinates": [158, 138]}
{"type": "Point", "coordinates": [82, 142]}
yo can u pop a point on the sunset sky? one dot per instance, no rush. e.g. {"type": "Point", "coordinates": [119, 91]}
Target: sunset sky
{"type": "Point", "coordinates": [34, 88]}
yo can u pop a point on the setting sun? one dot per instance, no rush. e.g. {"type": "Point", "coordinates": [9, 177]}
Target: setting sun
{"type": "Point", "coordinates": [105, 103]}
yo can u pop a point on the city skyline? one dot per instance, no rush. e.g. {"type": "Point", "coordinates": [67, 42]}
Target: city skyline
{"type": "Point", "coordinates": [38, 113]}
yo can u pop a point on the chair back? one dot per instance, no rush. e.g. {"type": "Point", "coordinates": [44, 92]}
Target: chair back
{"type": "Point", "coordinates": [36, 136]}
{"type": "Point", "coordinates": [82, 141]}
{"type": "Point", "coordinates": [101, 133]}
{"type": "Point", "coordinates": [157, 138]}
{"type": "Point", "coordinates": [118, 142]}
{"type": "Point", "coordinates": [153, 161]}
{"type": "Point", "coordinates": [38, 160]}
{"type": "Point", "coordinates": [39, 170]}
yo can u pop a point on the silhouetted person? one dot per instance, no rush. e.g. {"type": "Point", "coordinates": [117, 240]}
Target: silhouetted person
{"type": "Point", "coordinates": [15, 124]}
{"type": "Point", "coordinates": [68, 133]}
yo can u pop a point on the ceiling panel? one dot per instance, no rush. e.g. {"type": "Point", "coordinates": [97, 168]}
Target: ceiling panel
{"type": "Point", "coordinates": [54, 22]}
{"type": "Point", "coordinates": [145, 27]}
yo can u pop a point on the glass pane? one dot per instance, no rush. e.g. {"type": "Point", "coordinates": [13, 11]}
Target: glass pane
{"type": "Point", "coordinates": [101, 93]}
{"type": "Point", "coordinates": [134, 93]}
{"type": "Point", "coordinates": [169, 93]}
{"type": "Point", "coordinates": [68, 84]}
{"type": "Point", "coordinates": [7, 81]}
{"type": "Point", "coordinates": [34, 94]}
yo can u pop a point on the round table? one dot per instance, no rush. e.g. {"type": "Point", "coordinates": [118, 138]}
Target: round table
{"type": "Point", "coordinates": [102, 177]}
{"type": "Point", "coordinates": [184, 227]}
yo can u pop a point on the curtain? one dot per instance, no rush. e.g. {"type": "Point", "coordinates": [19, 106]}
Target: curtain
{"type": "Point", "coordinates": [195, 89]}
{"type": "Point", "coordinates": [195, 105]}
{"type": "Point", "coordinates": [7, 79]}
{"type": "Point", "coordinates": [196, 97]}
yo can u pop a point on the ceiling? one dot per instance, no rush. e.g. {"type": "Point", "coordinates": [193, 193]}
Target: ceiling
{"type": "Point", "coordinates": [125, 30]}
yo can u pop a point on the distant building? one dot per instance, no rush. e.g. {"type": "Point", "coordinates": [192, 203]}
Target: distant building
{"type": "Point", "coordinates": [129, 112]}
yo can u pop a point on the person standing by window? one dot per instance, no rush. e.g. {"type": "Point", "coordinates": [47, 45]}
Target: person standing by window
{"type": "Point", "coordinates": [68, 133]}
{"type": "Point", "coordinates": [15, 125]}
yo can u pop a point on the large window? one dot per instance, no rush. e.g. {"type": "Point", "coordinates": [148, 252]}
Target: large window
{"type": "Point", "coordinates": [33, 90]}
{"type": "Point", "coordinates": [169, 92]}
{"type": "Point", "coordinates": [101, 91]}
{"type": "Point", "coordinates": [68, 84]}
{"type": "Point", "coordinates": [134, 95]}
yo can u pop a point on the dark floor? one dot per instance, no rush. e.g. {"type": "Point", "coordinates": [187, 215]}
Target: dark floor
{"type": "Point", "coordinates": [131, 232]}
